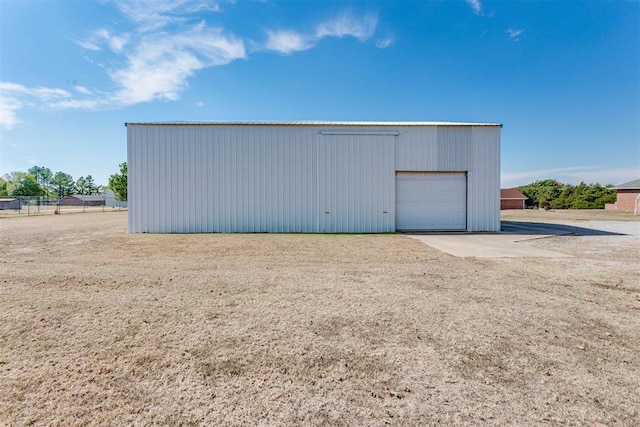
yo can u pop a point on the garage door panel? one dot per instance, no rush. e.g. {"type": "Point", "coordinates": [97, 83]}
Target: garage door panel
{"type": "Point", "coordinates": [431, 201]}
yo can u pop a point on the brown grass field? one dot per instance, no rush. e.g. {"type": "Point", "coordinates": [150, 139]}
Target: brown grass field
{"type": "Point", "coordinates": [102, 327]}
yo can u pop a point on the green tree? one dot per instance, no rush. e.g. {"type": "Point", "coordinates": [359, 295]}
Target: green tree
{"type": "Point", "coordinates": [118, 183]}
{"type": "Point", "coordinates": [542, 192]}
{"type": "Point", "coordinates": [22, 184]}
{"type": "Point", "coordinates": [27, 188]}
{"type": "Point", "coordinates": [42, 176]}
{"type": "Point", "coordinates": [3, 187]}
{"type": "Point", "coordinates": [567, 196]}
{"type": "Point", "coordinates": [85, 185]}
{"type": "Point", "coordinates": [63, 183]}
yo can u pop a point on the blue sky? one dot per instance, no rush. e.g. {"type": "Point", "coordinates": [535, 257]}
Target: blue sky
{"type": "Point", "coordinates": [562, 76]}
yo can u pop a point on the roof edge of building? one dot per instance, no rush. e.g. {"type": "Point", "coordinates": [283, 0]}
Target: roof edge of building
{"type": "Point", "coordinates": [306, 123]}
{"type": "Point", "coordinates": [631, 185]}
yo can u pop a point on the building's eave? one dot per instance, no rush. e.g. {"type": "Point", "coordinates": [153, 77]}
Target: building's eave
{"type": "Point", "coordinates": [306, 123]}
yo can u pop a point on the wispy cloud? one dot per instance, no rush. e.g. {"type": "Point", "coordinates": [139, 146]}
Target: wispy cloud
{"type": "Point", "coordinates": [78, 104]}
{"type": "Point", "coordinates": [14, 96]}
{"type": "Point", "coordinates": [515, 33]}
{"type": "Point", "coordinates": [476, 5]}
{"type": "Point", "coordinates": [83, 90]}
{"type": "Point", "coordinates": [96, 39]}
{"type": "Point", "coordinates": [88, 44]}
{"type": "Point", "coordinates": [344, 25]}
{"type": "Point", "coordinates": [384, 43]}
{"type": "Point", "coordinates": [287, 42]}
{"type": "Point", "coordinates": [39, 92]}
{"type": "Point", "coordinates": [348, 24]}
{"type": "Point", "coordinates": [155, 14]}
{"type": "Point", "coordinates": [8, 109]}
{"type": "Point", "coordinates": [160, 65]}
{"type": "Point", "coordinates": [572, 175]}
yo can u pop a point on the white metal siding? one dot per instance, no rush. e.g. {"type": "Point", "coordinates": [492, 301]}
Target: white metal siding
{"type": "Point", "coordinates": [417, 149]}
{"type": "Point", "coordinates": [355, 183]}
{"type": "Point", "coordinates": [191, 179]}
{"type": "Point", "coordinates": [483, 180]}
{"type": "Point", "coordinates": [438, 148]}
{"type": "Point", "coordinates": [431, 201]}
{"type": "Point", "coordinates": [258, 177]}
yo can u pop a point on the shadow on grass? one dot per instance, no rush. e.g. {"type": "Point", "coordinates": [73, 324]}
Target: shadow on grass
{"type": "Point", "coordinates": [520, 227]}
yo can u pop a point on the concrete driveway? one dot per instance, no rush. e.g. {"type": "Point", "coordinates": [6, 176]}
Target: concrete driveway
{"type": "Point", "coordinates": [508, 242]}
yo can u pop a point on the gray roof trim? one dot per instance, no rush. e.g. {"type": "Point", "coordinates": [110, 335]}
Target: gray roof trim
{"type": "Point", "coordinates": [305, 123]}
{"type": "Point", "coordinates": [631, 185]}
{"type": "Point", "coordinates": [88, 197]}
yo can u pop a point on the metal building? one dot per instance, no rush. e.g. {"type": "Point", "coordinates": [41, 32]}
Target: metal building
{"type": "Point", "coordinates": [327, 177]}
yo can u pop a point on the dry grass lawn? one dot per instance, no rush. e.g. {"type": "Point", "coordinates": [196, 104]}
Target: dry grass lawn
{"type": "Point", "coordinates": [98, 326]}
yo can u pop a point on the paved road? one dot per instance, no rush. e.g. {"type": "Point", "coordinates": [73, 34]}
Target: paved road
{"type": "Point", "coordinates": [506, 244]}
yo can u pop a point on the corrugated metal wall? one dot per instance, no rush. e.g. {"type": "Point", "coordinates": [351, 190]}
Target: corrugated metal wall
{"type": "Point", "coordinates": [191, 179]}
{"type": "Point", "coordinates": [356, 183]}
{"type": "Point", "coordinates": [225, 178]}
{"type": "Point", "coordinates": [483, 180]}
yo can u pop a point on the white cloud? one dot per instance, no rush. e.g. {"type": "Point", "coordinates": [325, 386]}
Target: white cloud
{"type": "Point", "coordinates": [83, 90]}
{"type": "Point", "coordinates": [14, 96]}
{"type": "Point", "coordinates": [572, 175]}
{"type": "Point", "coordinates": [155, 14]}
{"type": "Point", "coordinates": [36, 92]}
{"type": "Point", "coordinates": [89, 45]}
{"type": "Point", "coordinates": [76, 104]}
{"type": "Point", "coordinates": [515, 33]}
{"type": "Point", "coordinates": [161, 64]}
{"type": "Point", "coordinates": [8, 116]}
{"type": "Point", "coordinates": [287, 42]}
{"type": "Point", "coordinates": [97, 38]}
{"type": "Point", "coordinates": [117, 43]}
{"type": "Point", "coordinates": [476, 5]}
{"type": "Point", "coordinates": [347, 24]}
{"type": "Point", "coordinates": [384, 43]}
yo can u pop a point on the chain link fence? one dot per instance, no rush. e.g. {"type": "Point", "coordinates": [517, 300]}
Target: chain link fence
{"type": "Point", "coordinates": [16, 205]}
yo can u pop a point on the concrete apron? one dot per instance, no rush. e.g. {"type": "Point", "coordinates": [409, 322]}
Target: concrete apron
{"type": "Point", "coordinates": [499, 245]}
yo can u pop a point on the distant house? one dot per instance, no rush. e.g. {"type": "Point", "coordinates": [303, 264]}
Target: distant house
{"type": "Point", "coordinates": [627, 197]}
{"type": "Point", "coordinates": [9, 203]}
{"type": "Point", "coordinates": [511, 198]}
{"type": "Point", "coordinates": [83, 200]}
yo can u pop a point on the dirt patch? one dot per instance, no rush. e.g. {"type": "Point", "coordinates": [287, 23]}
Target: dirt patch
{"type": "Point", "coordinates": [100, 326]}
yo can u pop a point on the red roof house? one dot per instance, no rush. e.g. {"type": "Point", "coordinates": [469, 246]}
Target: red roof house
{"type": "Point", "coordinates": [511, 198]}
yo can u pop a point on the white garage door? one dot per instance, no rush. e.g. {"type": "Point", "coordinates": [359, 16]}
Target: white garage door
{"type": "Point", "coordinates": [431, 201]}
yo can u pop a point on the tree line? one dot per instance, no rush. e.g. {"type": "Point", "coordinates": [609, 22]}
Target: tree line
{"type": "Point", "coordinates": [557, 195]}
{"type": "Point", "coordinates": [40, 181]}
